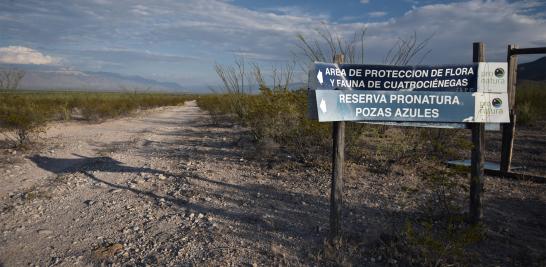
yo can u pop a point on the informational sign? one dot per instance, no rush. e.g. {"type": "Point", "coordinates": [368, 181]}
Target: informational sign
{"type": "Point", "coordinates": [432, 94]}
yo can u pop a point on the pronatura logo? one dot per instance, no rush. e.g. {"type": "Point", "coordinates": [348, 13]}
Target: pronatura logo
{"type": "Point", "coordinates": [497, 102]}
{"type": "Point", "coordinates": [499, 72]}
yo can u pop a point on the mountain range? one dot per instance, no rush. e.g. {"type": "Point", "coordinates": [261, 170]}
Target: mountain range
{"type": "Point", "coordinates": [40, 77]}
{"type": "Point", "coordinates": [533, 71]}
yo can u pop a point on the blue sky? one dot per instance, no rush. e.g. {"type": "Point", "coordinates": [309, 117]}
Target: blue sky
{"type": "Point", "coordinates": [180, 41]}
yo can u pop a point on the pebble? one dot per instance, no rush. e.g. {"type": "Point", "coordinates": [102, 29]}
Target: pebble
{"type": "Point", "coordinates": [45, 232]}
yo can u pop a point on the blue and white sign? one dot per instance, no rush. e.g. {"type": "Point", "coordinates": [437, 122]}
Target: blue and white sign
{"type": "Point", "coordinates": [455, 78]}
{"type": "Point", "coordinates": [439, 94]}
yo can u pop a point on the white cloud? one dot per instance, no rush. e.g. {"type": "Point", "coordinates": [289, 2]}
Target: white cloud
{"type": "Point", "coordinates": [140, 10]}
{"type": "Point", "coordinates": [24, 55]}
{"type": "Point", "coordinates": [364, 1]}
{"type": "Point", "coordinates": [455, 26]}
{"type": "Point", "coordinates": [213, 31]}
{"type": "Point", "coordinates": [377, 14]}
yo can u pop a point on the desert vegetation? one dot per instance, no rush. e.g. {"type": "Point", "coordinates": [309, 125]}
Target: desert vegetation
{"type": "Point", "coordinates": [23, 113]}
{"type": "Point", "coordinates": [530, 107]}
{"type": "Point", "coordinates": [187, 133]}
{"type": "Point", "coordinates": [276, 118]}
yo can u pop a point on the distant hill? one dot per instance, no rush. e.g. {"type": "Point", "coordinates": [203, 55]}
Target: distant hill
{"type": "Point", "coordinates": [39, 77]}
{"type": "Point", "coordinates": [533, 71]}
{"type": "Point", "coordinates": [48, 77]}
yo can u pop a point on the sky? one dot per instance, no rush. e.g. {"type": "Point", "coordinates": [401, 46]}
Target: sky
{"type": "Point", "coordinates": [181, 41]}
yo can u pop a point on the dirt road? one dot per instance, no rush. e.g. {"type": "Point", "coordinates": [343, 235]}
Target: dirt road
{"type": "Point", "coordinates": [169, 188]}
{"type": "Point", "coordinates": [163, 188]}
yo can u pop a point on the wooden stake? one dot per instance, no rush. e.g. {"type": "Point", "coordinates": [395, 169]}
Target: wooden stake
{"type": "Point", "coordinates": [509, 129]}
{"type": "Point", "coordinates": [338, 157]}
{"type": "Point", "coordinates": [477, 159]}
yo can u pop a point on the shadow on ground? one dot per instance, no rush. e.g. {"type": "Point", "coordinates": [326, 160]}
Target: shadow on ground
{"type": "Point", "coordinates": [265, 215]}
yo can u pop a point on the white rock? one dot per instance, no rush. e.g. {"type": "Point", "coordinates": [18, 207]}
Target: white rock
{"type": "Point", "coordinates": [45, 232]}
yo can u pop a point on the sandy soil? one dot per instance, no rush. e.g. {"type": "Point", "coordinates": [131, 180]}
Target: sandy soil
{"type": "Point", "coordinates": [169, 188]}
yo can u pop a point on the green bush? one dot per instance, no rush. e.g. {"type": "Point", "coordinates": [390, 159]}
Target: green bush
{"type": "Point", "coordinates": [23, 117]}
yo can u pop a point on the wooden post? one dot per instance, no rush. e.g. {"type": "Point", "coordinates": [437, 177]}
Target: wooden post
{"type": "Point", "coordinates": [478, 149]}
{"type": "Point", "coordinates": [509, 129]}
{"type": "Point", "coordinates": [338, 157]}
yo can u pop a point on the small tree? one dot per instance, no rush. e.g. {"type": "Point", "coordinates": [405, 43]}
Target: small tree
{"type": "Point", "coordinates": [20, 118]}
{"type": "Point", "coordinates": [10, 78]}
{"type": "Point", "coordinates": [407, 49]}
{"type": "Point", "coordinates": [329, 44]}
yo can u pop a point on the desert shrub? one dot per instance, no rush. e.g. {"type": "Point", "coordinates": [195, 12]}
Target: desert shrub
{"type": "Point", "coordinates": [439, 244]}
{"type": "Point", "coordinates": [95, 108]}
{"type": "Point", "coordinates": [278, 115]}
{"type": "Point", "coordinates": [440, 236]}
{"type": "Point", "coordinates": [22, 117]}
{"type": "Point", "coordinates": [525, 114]}
{"type": "Point", "coordinates": [530, 106]}
{"type": "Point", "coordinates": [217, 106]}
{"type": "Point", "coordinates": [23, 113]}
{"type": "Point", "coordinates": [281, 115]}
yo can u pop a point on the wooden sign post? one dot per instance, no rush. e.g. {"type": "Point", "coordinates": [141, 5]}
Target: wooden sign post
{"type": "Point", "coordinates": [471, 93]}
{"type": "Point", "coordinates": [477, 159]}
{"type": "Point", "coordinates": [338, 157]}
{"type": "Point", "coordinates": [508, 129]}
